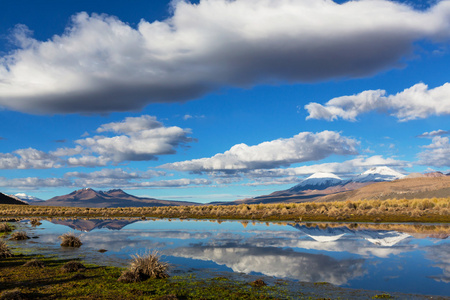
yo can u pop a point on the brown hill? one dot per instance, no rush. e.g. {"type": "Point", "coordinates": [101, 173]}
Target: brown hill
{"type": "Point", "coordinates": [113, 198]}
{"type": "Point", "coordinates": [5, 199]}
{"type": "Point", "coordinates": [407, 188]}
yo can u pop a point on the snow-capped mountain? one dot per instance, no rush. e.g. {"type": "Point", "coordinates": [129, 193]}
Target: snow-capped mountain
{"type": "Point", "coordinates": [376, 174]}
{"type": "Point", "coordinates": [27, 198]}
{"type": "Point", "coordinates": [317, 181]}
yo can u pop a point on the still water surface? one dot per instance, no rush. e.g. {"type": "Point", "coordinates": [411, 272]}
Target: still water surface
{"type": "Point", "coordinates": [391, 258]}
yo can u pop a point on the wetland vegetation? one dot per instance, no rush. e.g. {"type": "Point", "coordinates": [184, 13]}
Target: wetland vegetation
{"type": "Point", "coordinates": [434, 210]}
{"type": "Point", "coordinates": [26, 274]}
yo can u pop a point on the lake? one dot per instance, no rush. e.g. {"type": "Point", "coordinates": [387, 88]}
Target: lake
{"type": "Point", "coordinates": [385, 257]}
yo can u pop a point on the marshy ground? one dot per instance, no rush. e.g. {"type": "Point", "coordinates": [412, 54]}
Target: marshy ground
{"type": "Point", "coordinates": [49, 279]}
{"type": "Point", "coordinates": [433, 210]}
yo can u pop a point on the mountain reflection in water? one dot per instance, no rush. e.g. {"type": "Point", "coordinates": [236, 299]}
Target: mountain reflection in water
{"type": "Point", "coordinates": [368, 256]}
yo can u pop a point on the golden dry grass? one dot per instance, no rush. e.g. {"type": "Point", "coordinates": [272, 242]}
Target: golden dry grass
{"type": "Point", "coordinates": [70, 240]}
{"type": "Point", "coordinates": [390, 210]}
{"type": "Point", "coordinates": [4, 250]}
{"type": "Point", "coordinates": [142, 267]}
{"type": "Point", "coordinates": [19, 236]}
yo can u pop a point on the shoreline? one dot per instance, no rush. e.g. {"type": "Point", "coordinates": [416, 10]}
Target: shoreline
{"type": "Point", "coordinates": [434, 210]}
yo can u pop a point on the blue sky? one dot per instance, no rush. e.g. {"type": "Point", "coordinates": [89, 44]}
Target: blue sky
{"type": "Point", "coordinates": [218, 100]}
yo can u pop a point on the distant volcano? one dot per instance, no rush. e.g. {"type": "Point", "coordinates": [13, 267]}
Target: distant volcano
{"type": "Point", "coordinates": [88, 197]}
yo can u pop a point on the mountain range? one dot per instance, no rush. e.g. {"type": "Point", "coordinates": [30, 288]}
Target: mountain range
{"type": "Point", "coordinates": [375, 183]}
{"type": "Point", "coordinates": [88, 197]}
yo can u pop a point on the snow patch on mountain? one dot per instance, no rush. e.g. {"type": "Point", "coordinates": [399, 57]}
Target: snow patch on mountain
{"type": "Point", "coordinates": [318, 181]}
{"type": "Point", "coordinates": [26, 198]}
{"type": "Point", "coordinates": [378, 174]}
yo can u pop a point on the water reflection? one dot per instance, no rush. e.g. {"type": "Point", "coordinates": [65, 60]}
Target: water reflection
{"type": "Point", "coordinates": [283, 263]}
{"type": "Point", "coordinates": [369, 256]}
{"type": "Point", "coordinates": [91, 224]}
{"type": "Point", "coordinates": [331, 234]}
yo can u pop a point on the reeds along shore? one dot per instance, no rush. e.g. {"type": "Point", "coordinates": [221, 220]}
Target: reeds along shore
{"type": "Point", "coordinates": [392, 210]}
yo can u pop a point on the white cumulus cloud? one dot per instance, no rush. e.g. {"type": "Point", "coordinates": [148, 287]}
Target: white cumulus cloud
{"type": "Point", "coordinates": [416, 102]}
{"type": "Point", "coordinates": [305, 146]}
{"type": "Point", "coordinates": [133, 139]}
{"type": "Point", "coordinates": [101, 64]}
{"type": "Point", "coordinates": [143, 138]}
{"type": "Point", "coordinates": [434, 133]}
{"type": "Point", "coordinates": [29, 158]}
{"type": "Point", "coordinates": [437, 154]}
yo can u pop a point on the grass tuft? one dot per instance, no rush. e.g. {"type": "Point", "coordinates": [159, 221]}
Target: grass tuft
{"type": "Point", "coordinates": [73, 266]}
{"type": "Point", "coordinates": [34, 263]}
{"type": "Point", "coordinates": [35, 222]}
{"type": "Point", "coordinates": [19, 236]}
{"type": "Point", "coordinates": [70, 240]}
{"type": "Point", "coordinates": [128, 276]}
{"type": "Point", "coordinates": [4, 250]}
{"type": "Point", "coordinates": [144, 267]}
{"type": "Point", "coordinates": [5, 227]}
{"type": "Point", "coordinates": [258, 283]}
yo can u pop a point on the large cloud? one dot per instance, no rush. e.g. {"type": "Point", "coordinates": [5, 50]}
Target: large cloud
{"type": "Point", "coordinates": [305, 146]}
{"type": "Point", "coordinates": [100, 64]}
{"type": "Point", "coordinates": [416, 102]}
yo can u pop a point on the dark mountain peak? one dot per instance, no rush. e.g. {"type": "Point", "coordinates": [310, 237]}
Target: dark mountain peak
{"type": "Point", "coordinates": [5, 199]}
{"type": "Point", "coordinates": [88, 197]}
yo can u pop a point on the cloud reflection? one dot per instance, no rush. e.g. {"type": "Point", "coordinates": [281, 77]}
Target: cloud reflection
{"type": "Point", "coordinates": [271, 261]}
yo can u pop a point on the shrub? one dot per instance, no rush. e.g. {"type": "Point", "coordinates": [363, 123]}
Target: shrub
{"type": "Point", "coordinates": [34, 263]}
{"type": "Point", "coordinates": [4, 227]}
{"type": "Point", "coordinates": [258, 283]}
{"type": "Point", "coordinates": [73, 266]}
{"type": "Point", "coordinates": [145, 267]}
{"type": "Point", "coordinates": [4, 250]}
{"type": "Point", "coordinates": [70, 240]}
{"type": "Point", "coordinates": [19, 236]}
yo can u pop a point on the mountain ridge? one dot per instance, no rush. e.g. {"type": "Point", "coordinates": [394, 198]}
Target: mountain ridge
{"type": "Point", "coordinates": [7, 199]}
{"type": "Point", "coordinates": [328, 188]}
{"type": "Point", "coordinates": [88, 197]}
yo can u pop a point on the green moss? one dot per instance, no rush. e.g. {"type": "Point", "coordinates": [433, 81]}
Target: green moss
{"type": "Point", "coordinates": [101, 282]}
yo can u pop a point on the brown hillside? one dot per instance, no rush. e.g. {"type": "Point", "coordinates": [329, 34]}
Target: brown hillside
{"type": "Point", "coordinates": [409, 188]}
{"type": "Point", "coordinates": [5, 199]}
